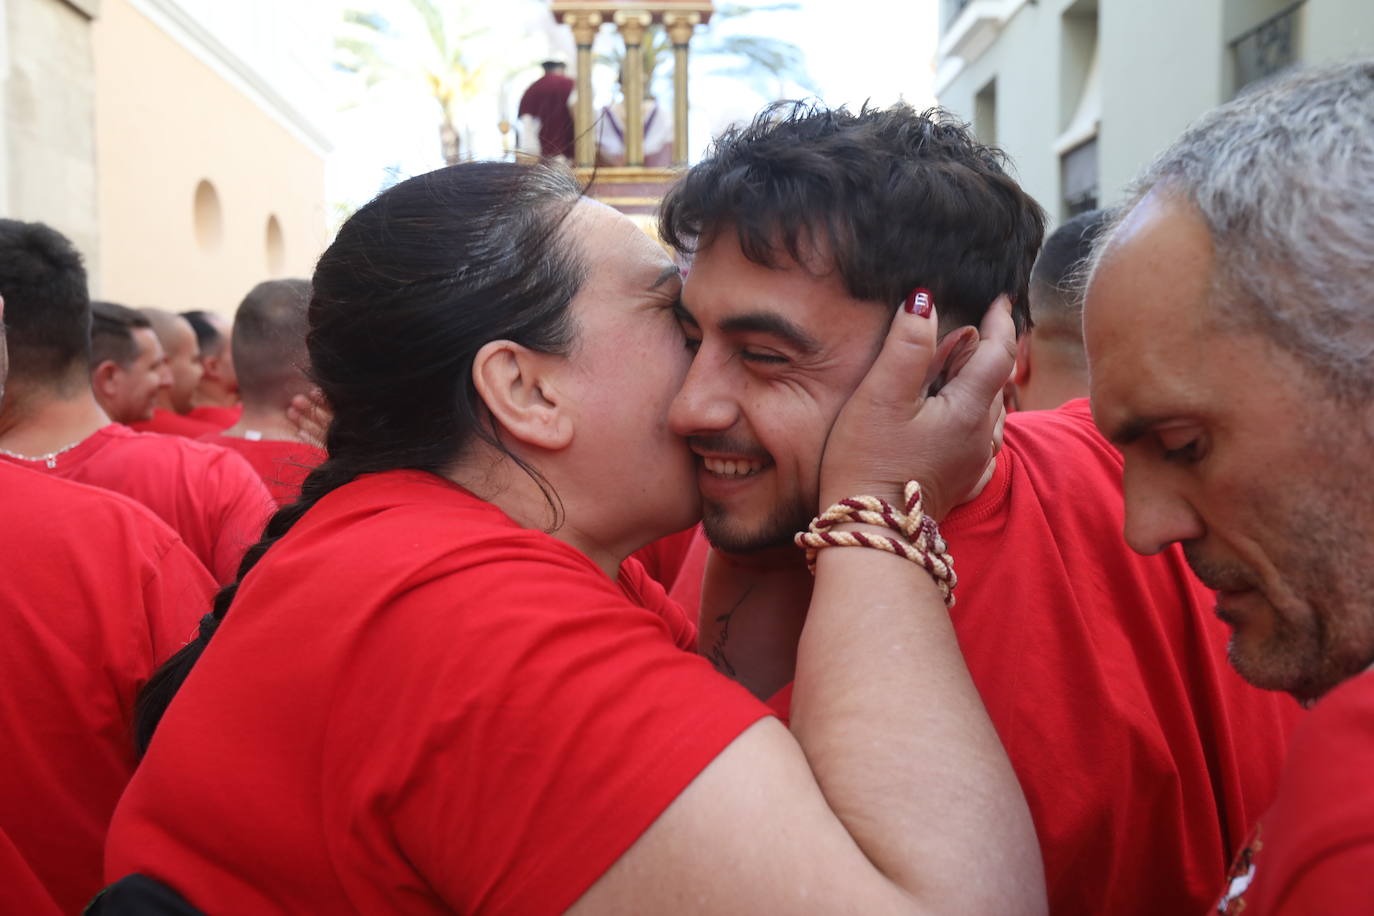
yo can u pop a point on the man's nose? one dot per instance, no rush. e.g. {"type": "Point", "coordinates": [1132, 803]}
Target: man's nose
{"type": "Point", "coordinates": [1157, 514]}
{"type": "Point", "coordinates": [705, 403]}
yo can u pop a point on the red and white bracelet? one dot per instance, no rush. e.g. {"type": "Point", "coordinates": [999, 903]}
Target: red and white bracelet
{"type": "Point", "coordinates": [920, 540]}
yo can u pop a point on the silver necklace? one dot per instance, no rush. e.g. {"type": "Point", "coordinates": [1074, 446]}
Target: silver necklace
{"type": "Point", "coordinates": [50, 458]}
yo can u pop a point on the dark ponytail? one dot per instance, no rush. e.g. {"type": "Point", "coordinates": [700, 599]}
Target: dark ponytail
{"type": "Point", "coordinates": [415, 283]}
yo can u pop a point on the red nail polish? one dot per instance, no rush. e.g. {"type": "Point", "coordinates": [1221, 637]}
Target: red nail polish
{"type": "Point", "coordinates": [919, 302]}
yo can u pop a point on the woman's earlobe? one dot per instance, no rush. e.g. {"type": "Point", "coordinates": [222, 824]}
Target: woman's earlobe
{"type": "Point", "coordinates": [518, 387]}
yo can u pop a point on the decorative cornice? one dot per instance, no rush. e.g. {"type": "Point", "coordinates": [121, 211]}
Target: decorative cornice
{"type": "Point", "coordinates": [186, 30]}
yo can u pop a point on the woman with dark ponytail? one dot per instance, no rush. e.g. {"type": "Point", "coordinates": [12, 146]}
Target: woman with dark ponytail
{"type": "Point", "coordinates": [438, 685]}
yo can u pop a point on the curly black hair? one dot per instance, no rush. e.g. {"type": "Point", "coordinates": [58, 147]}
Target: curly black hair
{"type": "Point", "coordinates": [897, 199]}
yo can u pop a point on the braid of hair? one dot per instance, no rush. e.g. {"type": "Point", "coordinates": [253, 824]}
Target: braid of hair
{"type": "Point", "coordinates": [157, 694]}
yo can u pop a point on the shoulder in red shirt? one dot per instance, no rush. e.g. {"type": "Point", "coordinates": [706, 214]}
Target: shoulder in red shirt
{"type": "Point", "coordinates": [170, 423]}
{"type": "Point", "coordinates": [210, 496]}
{"type": "Point", "coordinates": [282, 464]}
{"type": "Point", "coordinates": [415, 705]}
{"type": "Point", "coordinates": [95, 594]}
{"type": "Point", "coordinates": [220, 418]}
{"type": "Point", "coordinates": [1313, 851]}
{"type": "Point", "coordinates": [1144, 757]}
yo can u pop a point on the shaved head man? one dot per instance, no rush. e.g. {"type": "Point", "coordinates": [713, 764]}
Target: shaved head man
{"type": "Point", "coordinates": [218, 385]}
{"type": "Point", "coordinates": [1229, 322]}
{"type": "Point", "coordinates": [1051, 368]}
{"type": "Point", "coordinates": [269, 351]}
{"type": "Point", "coordinates": [179, 342]}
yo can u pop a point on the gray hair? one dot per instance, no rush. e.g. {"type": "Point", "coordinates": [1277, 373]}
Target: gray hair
{"type": "Point", "coordinates": [1283, 176]}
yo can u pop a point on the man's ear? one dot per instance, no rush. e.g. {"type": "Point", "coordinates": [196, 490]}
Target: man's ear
{"type": "Point", "coordinates": [211, 366]}
{"type": "Point", "coordinates": [1021, 375]}
{"type": "Point", "coordinates": [105, 379]}
{"type": "Point", "coordinates": [517, 385]}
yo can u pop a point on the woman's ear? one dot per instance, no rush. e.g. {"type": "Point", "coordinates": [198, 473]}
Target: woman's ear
{"type": "Point", "coordinates": [518, 387]}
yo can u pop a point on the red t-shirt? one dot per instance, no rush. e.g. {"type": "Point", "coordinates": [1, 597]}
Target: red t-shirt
{"type": "Point", "coordinates": [96, 592]}
{"type": "Point", "coordinates": [1313, 851]}
{"type": "Point", "coordinates": [210, 496]}
{"type": "Point", "coordinates": [417, 706]}
{"type": "Point", "coordinates": [20, 889]}
{"type": "Point", "coordinates": [1144, 757]}
{"type": "Point", "coordinates": [280, 463]}
{"type": "Point", "coordinates": [221, 417]}
{"type": "Point", "coordinates": [170, 423]}
{"type": "Point", "coordinates": [663, 559]}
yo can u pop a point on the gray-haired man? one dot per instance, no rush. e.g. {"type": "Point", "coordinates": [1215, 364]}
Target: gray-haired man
{"type": "Point", "coordinates": [1230, 327]}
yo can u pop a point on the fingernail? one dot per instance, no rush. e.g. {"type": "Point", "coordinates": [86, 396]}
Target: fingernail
{"type": "Point", "coordinates": [919, 302]}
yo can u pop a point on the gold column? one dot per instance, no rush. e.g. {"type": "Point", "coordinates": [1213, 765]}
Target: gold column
{"type": "Point", "coordinates": [584, 27]}
{"type": "Point", "coordinates": [633, 24]}
{"type": "Point", "coordinates": [680, 27]}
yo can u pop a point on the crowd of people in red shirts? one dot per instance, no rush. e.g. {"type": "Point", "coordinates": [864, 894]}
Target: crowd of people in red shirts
{"type": "Point", "coordinates": [505, 502]}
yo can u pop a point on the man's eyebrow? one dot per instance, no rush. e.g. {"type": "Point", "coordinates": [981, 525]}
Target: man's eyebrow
{"type": "Point", "coordinates": [668, 273]}
{"type": "Point", "coordinates": [1131, 430]}
{"type": "Point", "coordinates": [774, 325]}
{"type": "Point", "coordinates": [683, 315]}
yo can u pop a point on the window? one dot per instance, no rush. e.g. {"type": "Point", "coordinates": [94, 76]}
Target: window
{"type": "Point", "coordinates": [1078, 178]}
{"type": "Point", "coordinates": [985, 114]}
{"type": "Point", "coordinates": [1267, 48]}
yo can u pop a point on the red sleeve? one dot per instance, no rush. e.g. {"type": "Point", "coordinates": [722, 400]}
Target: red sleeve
{"type": "Point", "coordinates": [177, 592]}
{"type": "Point", "coordinates": [663, 558]}
{"type": "Point", "coordinates": [244, 506]}
{"type": "Point", "coordinates": [649, 593]}
{"type": "Point", "coordinates": [516, 794]}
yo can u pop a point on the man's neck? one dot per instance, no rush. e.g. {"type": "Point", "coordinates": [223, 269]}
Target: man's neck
{"type": "Point", "coordinates": [36, 422]}
{"type": "Point", "coordinates": [753, 608]}
{"type": "Point", "coordinates": [213, 393]}
{"type": "Point", "coordinates": [263, 423]}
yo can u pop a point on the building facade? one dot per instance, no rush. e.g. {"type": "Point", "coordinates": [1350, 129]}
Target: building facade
{"type": "Point", "coordinates": [178, 143]}
{"type": "Point", "coordinates": [1082, 94]}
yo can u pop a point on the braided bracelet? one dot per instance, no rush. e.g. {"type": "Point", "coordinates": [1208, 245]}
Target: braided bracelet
{"type": "Point", "coordinates": [920, 540]}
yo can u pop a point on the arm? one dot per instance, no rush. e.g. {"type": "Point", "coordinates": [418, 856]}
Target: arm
{"type": "Point", "coordinates": [894, 796]}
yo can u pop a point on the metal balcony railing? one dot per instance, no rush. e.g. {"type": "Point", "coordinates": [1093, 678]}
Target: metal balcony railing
{"type": "Point", "coordinates": [1268, 48]}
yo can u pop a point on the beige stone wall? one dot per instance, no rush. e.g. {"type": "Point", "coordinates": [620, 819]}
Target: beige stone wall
{"type": "Point", "coordinates": [47, 153]}
{"type": "Point", "coordinates": [170, 127]}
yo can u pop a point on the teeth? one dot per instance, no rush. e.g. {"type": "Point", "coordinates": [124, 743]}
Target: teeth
{"type": "Point", "coordinates": [732, 467]}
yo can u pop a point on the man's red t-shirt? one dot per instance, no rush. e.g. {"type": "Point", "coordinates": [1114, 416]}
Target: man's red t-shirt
{"type": "Point", "coordinates": [281, 464]}
{"type": "Point", "coordinates": [414, 705]}
{"type": "Point", "coordinates": [210, 496]}
{"type": "Point", "coordinates": [171, 423]}
{"type": "Point", "coordinates": [96, 592]}
{"type": "Point", "coordinates": [1313, 851]}
{"type": "Point", "coordinates": [220, 417]}
{"type": "Point", "coordinates": [1144, 757]}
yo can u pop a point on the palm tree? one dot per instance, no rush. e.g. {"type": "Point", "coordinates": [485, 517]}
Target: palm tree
{"type": "Point", "coordinates": [448, 62]}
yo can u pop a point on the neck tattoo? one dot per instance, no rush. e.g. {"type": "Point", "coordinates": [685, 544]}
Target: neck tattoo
{"type": "Point", "coordinates": [50, 459]}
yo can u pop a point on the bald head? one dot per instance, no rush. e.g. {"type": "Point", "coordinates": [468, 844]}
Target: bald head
{"type": "Point", "coordinates": [269, 344]}
{"type": "Point", "coordinates": [179, 342]}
